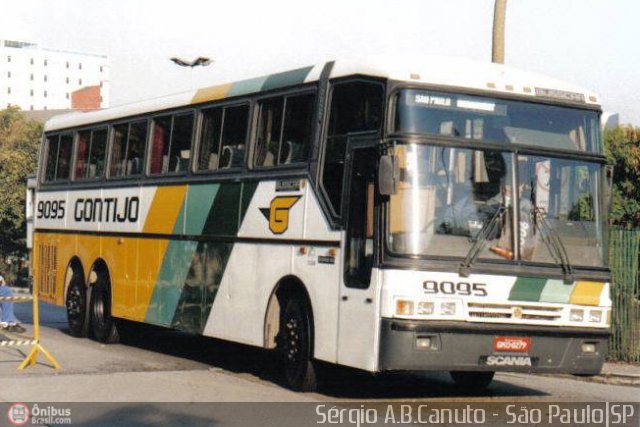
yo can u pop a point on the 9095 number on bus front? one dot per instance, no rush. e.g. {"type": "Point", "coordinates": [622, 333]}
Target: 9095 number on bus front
{"type": "Point", "coordinates": [453, 288]}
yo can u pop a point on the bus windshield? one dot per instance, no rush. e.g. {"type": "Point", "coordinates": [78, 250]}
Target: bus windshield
{"type": "Point", "coordinates": [448, 196]}
{"type": "Point", "coordinates": [496, 120]}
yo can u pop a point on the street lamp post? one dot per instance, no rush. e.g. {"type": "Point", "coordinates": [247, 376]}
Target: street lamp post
{"type": "Point", "coordinates": [499, 13]}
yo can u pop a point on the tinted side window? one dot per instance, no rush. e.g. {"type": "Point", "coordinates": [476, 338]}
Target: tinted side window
{"type": "Point", "coordinates": [83, 143]}
{"type": "Point", "coordinates": [235, 121]}
{"type": "Point", "coordinates": [52, 157]}
{"type": "Point", "coordinates": [63, 164]}
{"type": "Point", "coordinates": [269, 132]}
{"type": "Point", "coordinates": [119, 150]}
{"type": "Point", "coordinates": [135, 149]}
{"type": "Point", "coordinates": [160, 145]}
{"type": "Point", "coordinates": [355, 107]}
{"type": "Point", "coordinates": [279, 141]}
{"type": "Point", "coordinates": [127, 154]}
{"type": "Point", "coordinates": [98, 156]}
{"type": "Point", "coordinates": [171, 144]}
{"type": "Point", "coordinates": [181, 142]}
{"type": "Point", "coordinates": [296, 135]}
{"type": "Point", "coordinates": [209, 153]}
{"type": "Point", "coordinates": [90, 154]}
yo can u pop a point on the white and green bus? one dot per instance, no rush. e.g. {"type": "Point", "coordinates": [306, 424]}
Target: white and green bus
{"type": "Point", "coordinates": [384, 214]}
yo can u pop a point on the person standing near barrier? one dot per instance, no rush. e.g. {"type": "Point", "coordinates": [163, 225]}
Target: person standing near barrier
{"type": "Point", "coordinates": [8, 321]}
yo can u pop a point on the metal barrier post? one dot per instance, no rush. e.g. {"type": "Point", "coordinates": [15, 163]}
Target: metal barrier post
{"type": "Point", "coordinates": [37, 348]}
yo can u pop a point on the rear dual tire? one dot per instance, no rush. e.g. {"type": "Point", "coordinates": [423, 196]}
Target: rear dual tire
{"type": "Point", "coordinates": [104, 327]}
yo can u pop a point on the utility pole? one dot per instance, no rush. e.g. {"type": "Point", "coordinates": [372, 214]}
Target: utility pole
{"type": "Point", "coordinates": [499, 13]}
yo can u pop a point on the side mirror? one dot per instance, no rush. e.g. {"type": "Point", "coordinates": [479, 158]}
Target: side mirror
{"type": "Point", "coordinates": [388, 175]}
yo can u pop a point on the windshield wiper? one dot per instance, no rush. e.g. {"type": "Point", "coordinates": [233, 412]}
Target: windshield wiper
{"type": "Point", "coordinates": [481, 240]}
{"type": "Point", "coordinates": [552, 240]}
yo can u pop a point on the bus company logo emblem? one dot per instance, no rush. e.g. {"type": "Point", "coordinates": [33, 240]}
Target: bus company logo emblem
{"type": "Point", "coordinates": [18, 414]}
{"type": "Point", "coordinates": [517, 312]}
{"type": "Point", "coordinates": [278, 213]}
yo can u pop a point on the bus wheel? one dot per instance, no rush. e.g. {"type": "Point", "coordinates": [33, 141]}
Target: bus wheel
{"type": "Point", "coordinates": [472, 380]}
{"type": "Point", "coordinates": [294, 343]}
{"type": "Point", "coordinates": [103, 326]}
{"type": "Point", "coordinates": [76, 304]}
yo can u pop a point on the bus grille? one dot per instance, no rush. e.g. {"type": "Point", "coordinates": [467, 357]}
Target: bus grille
{"type": "Point", "coordinates": [48, 268]}
{"type": "Point", "coordinates": [543, 313]}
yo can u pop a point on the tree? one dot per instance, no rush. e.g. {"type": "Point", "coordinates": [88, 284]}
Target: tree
{"type": "Point", "coordinates": [19, 141]}
{"type": "Point", "coordinates": [622, 148]}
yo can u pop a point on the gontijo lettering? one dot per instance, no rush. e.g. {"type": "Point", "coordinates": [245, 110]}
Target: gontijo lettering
{"type": "Point", "coordinates": [108, 209]}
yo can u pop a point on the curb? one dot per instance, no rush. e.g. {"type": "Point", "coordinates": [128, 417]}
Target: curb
{"type": "Point", "coordinates": [609, 379]}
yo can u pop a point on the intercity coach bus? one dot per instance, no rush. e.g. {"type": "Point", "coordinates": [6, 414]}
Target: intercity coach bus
{"type": "Point", "coordinates": [385, 214]}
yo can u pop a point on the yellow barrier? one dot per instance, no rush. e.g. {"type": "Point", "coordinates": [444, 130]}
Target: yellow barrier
{"type": "Point", "coordinates": [36, 348]}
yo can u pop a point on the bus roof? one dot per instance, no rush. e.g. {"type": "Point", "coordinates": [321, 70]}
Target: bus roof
{"type": "Point", "coordinates": [438, 71]}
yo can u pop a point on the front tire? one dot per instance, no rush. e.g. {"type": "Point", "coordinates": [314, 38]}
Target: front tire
{"type": "Point", "coordinates": [294, 343]}
{"type": "Point", "coordinates": [103, 325]}
{"type": "Point", "coordinates": [472, 380]}
{"type": "Point", "coordinates": [76, 304]}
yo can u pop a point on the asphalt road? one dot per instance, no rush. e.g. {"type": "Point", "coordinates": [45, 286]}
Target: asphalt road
{"type": "Point", "coordinates": [154, 365]}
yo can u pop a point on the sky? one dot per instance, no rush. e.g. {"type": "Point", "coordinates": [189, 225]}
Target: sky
{"type": "Point", "coordinates": [592, 43]}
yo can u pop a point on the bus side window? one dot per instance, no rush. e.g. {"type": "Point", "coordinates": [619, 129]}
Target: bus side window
{"type": "Point", "coordinates": [90, 154]}
{"type": "Point", "coordinates": [119, 150]}
{"type": "Point", "coordinates": [355, 107]}
{"type": "Point", "coordinates": [296, 134]}
{"type": "Point", "coordinates": [83, 148]}
{"type": "Point", "coordinates": [284, 138]}
{"type": "Point", "coordinates": [269, 132]}
{"type": "Point", "coordinates": [53, 143]}
{"type": "Point", "coordinates": [135, 148]}
{"type": "Point", "coordinates": [97, 156]}
{"type": "Point", "coordinates": [235, 122]}
{"type": "Point", "coordinates": [209, 152]}
{"type": "Point", "coordinates": [63, 163]}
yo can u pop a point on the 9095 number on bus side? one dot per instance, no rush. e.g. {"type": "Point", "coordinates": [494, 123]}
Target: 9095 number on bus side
{"type": "Point", "coordinates": [50, 209]}
{"type": "Point", "coordinates": [453, 288]}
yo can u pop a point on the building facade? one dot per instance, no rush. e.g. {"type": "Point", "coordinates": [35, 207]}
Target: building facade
{"type": "Point", "coordinates": [36, 78]}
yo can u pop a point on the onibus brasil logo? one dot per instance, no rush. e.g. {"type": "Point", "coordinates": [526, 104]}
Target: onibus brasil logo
{"type": "Point", "coordinates": [278, 213]}
{"type": "Point", "coordinates": [18, 414]}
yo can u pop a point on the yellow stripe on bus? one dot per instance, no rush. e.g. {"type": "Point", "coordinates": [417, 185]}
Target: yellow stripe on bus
{"type": "Point", "coordinates": [212, 93]}
{"type": "Point", "coordinates": [165, 209]}
{"type": "Point", "coordinates": [586, 293]}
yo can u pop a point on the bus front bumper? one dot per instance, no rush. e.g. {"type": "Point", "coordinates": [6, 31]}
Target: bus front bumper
{"type": "Point", "coordinates": [465, 346]}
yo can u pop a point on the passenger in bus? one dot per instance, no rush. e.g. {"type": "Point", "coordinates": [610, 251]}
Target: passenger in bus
{"type": "Point", "coordinates": [8, 321]}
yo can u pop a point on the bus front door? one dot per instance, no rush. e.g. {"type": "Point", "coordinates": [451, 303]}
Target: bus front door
{"type": "Point", "coordinates": [357, 324]}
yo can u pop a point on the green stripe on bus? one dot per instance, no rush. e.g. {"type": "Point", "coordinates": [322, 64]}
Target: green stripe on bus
{"type": "Point", "coordinates": [173, 273]}
{"type": "Point", "coordinates": [199, 201]}
{"type": "Point", "coordinates": [527, 289]}
{"type": "Point", "coordinates": [287, 78]}
{"type": "Point", "coordinates": [244, 87]}
{"type": "Point", "coordinates": [210, 259]}
{"type": "Point", "coordinates": [556, 291]}
{"type": "Point", "coordinates": [201, 286]}
{"type": "Point", "coordinates": [223, 216]}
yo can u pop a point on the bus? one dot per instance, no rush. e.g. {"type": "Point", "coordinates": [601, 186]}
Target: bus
{"type": "Point", "coordinates": [384, 213]}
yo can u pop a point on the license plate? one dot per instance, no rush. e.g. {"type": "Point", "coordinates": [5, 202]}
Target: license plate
{"type": "Point", "coordinates": [511, 344]}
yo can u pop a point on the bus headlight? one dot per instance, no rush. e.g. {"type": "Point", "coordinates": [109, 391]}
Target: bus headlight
{"type": "Point", "coordinates": [404, 307]}
{"type": "Point", "coordinates": [595, 316]}
{"type": "Point", "coordinates": [425, 307]}
{"type": "Point", "coordinates": [576, 315]}
{"type": "Point", "coordinates": [448, 308]}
